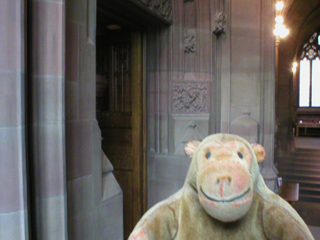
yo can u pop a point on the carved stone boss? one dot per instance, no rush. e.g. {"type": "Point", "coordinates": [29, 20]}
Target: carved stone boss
{"type": "Point", "coordinates": [161, 7]}
{"type": "Point", "coordinates": [190, 98]}
{"type": "Point", "coordinates": [189, 40]}
{"type": "Point", "coordinates": [220, 24]}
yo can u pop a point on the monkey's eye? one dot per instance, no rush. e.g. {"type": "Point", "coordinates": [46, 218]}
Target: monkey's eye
{"type": "Point", "coordinates": [240, 155]}
{"type": "Point", "coordinates": [208, 155]}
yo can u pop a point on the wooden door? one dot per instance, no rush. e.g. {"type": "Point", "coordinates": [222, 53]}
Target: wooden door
{"type": "Point", "coordinates": [120, 113]}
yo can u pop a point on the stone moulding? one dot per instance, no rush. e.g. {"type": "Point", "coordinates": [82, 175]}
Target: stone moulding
{"type": "Point", "coordinates": [190, 98]}
{"type": "Point", "coordinates": [189, 40]}
{"type": "Point", "coordinates": [189, 127]}
{"type": "Point", "coordinates": [220, 24]}
{"type": "Point", "coordinates": [161, 7]}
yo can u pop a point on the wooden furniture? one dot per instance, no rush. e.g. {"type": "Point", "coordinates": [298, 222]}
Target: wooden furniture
{"type": "Point", "coordinates": [289, 192]}
{"type": "Point", "coordinates": [307, 122]}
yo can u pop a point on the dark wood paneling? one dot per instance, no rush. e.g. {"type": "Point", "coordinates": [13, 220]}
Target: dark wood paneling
{"type": "Point", "coordinates": [120, 156]}
{"type": "Point", "coordinates": [123, 121]}
{"type": "Point", "coordinates": [117, 136]}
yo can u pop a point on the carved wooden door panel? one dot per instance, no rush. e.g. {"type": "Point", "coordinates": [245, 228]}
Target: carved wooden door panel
{"type": "Point", "coordinates": [120, 116]}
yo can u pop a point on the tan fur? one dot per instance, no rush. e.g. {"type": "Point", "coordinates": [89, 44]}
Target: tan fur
{"type": "Point", "coordinates": [182, 216]}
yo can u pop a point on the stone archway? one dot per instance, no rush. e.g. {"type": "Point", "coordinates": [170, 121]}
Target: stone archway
{"type": "Point", "coordinates": [301, 19]}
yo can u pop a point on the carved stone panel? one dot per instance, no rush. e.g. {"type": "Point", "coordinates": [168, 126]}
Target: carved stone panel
{"type": "Point", "coordinates": [220, 24]}
{"type": "Point", "coordinates": [190, 97]}
{"type": "Point", "coordinates": [161, 7]}
{"type": "Point", "coordinates": [189, 40]}
{"type": "Point", "coordinates": [189, 127]}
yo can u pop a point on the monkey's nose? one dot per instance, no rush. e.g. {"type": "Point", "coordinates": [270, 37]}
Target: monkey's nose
{"type": "Point", "coordinates": [225, 179]}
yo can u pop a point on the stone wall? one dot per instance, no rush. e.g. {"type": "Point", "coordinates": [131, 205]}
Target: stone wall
{"type": "Point", "coordinates": [72, 191]}
{"type": "Point", "coordinates": [13, 191]}
{"type": "Point", "coordinates": [213, 63]}
{"type": "Point", "coordinates": [216, 60]}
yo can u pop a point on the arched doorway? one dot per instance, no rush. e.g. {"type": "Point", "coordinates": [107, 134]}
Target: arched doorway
{"type": "Point", "coordinates": [121, 101]}
{"type": "Point", "coordinates": [302, 20]}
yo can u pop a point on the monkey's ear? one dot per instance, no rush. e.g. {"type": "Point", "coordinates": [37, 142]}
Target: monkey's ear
{"type": "Point", "coordinates": [259, 151]}
{"type": "Point", "coordinates": [191, 147]}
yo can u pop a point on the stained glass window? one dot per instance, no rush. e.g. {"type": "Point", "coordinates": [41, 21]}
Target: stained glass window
{"type": "Point", "coordinates": [309, 83]}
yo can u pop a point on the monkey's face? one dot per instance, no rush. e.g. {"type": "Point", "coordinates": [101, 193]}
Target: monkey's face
{"type": "Point", "coordinates": [224, 179]}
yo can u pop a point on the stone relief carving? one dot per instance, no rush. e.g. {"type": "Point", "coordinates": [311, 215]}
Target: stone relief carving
{"type": "Point", "coordinates": [189, 40]}
{"type": "Point", "coordinates": [190, 97]}
{"type": "Point", "coordinates": [190, 133]}
{"type": "Point", "coordinates": [220, 24]}
{"type": "Point", "coordinates": [161, 7]}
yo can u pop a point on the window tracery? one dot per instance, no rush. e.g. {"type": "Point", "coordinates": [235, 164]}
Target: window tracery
{"type": "Point", "coordinates": [309, 74]}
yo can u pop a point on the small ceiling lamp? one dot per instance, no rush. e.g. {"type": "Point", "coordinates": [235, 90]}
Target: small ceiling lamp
{"type": "Point", "coordinates": [279, 19]}
{"type": "Point", "coordinates": [294, 67]}
{"type": "Point", "coordinates": [279, 5]}
{"type": "Point", "coordinates": [113, 27]}
{"type": "Point", "coordinates": [281, 31]}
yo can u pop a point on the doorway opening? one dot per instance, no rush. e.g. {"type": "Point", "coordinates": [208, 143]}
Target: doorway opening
{"type": "Point", "coordinates": [121, 110]}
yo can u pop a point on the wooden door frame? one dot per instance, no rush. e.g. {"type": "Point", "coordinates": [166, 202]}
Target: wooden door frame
{"type": "Point", "coordinates": [138, 153]}
{"type": "Point", "coordinates": [144, 174]}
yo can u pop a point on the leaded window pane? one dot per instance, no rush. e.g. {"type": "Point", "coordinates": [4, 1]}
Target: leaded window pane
{"type": "Point", "coordinates": [315, 89]}
{"type": "Point", "coordinates": [304, 90]}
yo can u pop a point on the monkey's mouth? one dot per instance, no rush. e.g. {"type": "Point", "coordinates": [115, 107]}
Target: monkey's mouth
{"type": "Point", "coordinates": [225, 200]}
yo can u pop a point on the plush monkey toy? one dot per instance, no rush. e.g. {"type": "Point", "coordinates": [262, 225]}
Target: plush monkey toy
{"type": "Point", "coordinates": [224, 197]}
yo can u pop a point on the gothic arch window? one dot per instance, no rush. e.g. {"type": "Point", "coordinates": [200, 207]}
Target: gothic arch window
{"type": "Point", "coordinates": [309, 74]}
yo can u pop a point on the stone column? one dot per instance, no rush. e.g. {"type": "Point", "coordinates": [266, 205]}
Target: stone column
{"type": "Point", "coordinates": [267, 112]}
{"type": "Point", "coordinates": [13, 197]}
{"type": "Point", "coordinates": [48, 118]}
{"type": "Point", "coordinates": [252, 75]}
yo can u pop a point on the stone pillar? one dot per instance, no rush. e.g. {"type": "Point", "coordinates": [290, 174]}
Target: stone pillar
{"type": "Point", "coordinates": [94, 196]}
{"type": "Point", "coordinates": [13, 197]}
{"type": "Point", "coordinates": [267, 112]}
{"type": "Point", "coordinates": [252, 72]}
{"type": "Point", "coordinates": [48, 118]}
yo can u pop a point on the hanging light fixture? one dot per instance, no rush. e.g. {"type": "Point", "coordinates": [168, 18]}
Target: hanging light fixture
{"type": "Point", "coordinates": [280, 29]}
{"type": "Point", "coordinates": [113, 27]}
